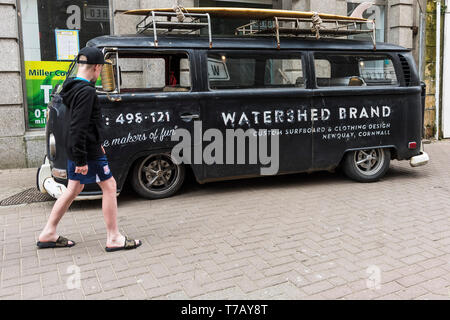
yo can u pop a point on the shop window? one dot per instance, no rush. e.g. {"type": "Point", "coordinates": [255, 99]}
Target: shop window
{"type": "Point", "coordinates": [375, 12]}
{"type": "Point", "coordinates": [224, 26]}
{"type": "Point", "coordinates": [52, 34]}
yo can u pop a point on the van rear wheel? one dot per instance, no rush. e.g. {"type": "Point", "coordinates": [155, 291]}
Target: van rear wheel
{"type": "Point", "coordinates": [157, 176]}
{"type": "Point", "coordinates": [367, 165]}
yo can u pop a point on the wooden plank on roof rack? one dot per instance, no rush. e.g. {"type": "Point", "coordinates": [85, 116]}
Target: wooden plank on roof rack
{"type": "Point", "coordinates": [249, 13]}
{"type": "Point", "coordinates": [296, 31]}
{"type": "Point", "coordinates": [178, 25]}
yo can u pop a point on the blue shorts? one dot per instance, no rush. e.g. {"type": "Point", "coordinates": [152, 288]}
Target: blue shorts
{"type": "Point", "coordinates": [98, 170]}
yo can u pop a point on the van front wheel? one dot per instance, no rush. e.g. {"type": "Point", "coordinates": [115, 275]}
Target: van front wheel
{"type": "Point", "coordinates": [157, 176]}
{"type": "Point", "coordinates": [367, 165]}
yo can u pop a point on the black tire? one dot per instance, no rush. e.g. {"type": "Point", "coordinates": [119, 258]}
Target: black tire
{"type": "Point", "coordinates": [157, 176]}
{"type": "Point", "coordinates": [366, 165]}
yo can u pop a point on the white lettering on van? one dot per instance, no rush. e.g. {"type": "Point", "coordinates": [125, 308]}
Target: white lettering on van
{"type": "Point", "coordinates": [267, 117]}
{"type": "Point", "coordinates": [243, 119]}
{"type": "Point", "coordinates": [325, 115]}
{"type": "Point", "coordinates": [363, 113]}
{"type": "Point", "coordinates": [314, 115]}
{"type": "Point", "coordinates": [228, 117]}
{"type": "Point", "coordinates": [353, 112]}
{"type": "Point", "coordinates": [256, 114]}
{"type": "Point", "coordinates": [302, 114]}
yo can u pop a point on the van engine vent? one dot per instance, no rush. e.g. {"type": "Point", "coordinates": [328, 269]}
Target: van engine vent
{"type": "Point", "coordinates": [406, 69]}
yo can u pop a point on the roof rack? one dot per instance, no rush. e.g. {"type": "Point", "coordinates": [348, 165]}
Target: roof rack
{"type": "Point", "coordinates": [184, 22]}
{"type": "Point", "coordinates": [263, 22]}
{"type": "Point", "coordinates": [281, 26]}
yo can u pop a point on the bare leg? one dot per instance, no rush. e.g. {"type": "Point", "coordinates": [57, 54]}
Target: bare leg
{"type": "Point", "coordinates": [59, 209]}
{"type": "Point", "coordinates": [109, 207]}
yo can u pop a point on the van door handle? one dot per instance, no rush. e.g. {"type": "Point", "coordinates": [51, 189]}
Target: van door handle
{"type": "Point", "coordinates": [189, 116]}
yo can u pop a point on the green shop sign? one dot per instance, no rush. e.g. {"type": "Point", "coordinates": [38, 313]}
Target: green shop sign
{"type": "Point", "coordinates": [41, 77]}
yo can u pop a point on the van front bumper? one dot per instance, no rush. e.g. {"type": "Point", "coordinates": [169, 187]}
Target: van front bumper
{"type": "Point", "coordinates": [419, 160]}
{"type": "Point", "coordinates": [47, 184]}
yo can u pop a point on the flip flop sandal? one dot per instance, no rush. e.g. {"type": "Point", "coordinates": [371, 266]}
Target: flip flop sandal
{"type": "Point", "coordinates": [61, 242]}
{"type": "Point", "coordinates": [129, 244]}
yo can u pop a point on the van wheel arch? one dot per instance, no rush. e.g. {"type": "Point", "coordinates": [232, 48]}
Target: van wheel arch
{"type": "Point", "coordinates": [392, 149]}
{"type": "Point", "coordinates": [154, 175]}
{"type": "Point", "coordinates": [367, 164]}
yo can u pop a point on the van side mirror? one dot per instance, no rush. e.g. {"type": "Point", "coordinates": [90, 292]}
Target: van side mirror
{"type": "Point", "coordinates": [56, 89]}
{"type": "Point", "coordinates": [108, 80]}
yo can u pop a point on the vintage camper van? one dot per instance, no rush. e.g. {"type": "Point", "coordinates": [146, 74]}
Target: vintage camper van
{"type": "Point", "coordinates": [319, 103]}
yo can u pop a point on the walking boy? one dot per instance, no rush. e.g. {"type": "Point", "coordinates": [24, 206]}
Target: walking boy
{"type": "Point", "coordinates": [87, 159]}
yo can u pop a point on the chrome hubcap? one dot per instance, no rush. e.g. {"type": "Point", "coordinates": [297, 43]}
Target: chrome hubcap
{"type": "Point", "coordinates": [158, 172]}
{"type": "Point", "coordinates": [369, 161]}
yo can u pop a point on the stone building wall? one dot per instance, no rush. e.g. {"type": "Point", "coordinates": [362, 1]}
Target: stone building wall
{"type": "Point", "coordinates": [12, 120]}
{"type": "Point", "coordinates": [430, 70]}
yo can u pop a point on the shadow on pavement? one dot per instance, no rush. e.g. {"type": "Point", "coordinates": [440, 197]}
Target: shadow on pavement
{"type": "Point", "coordinates": [191, 188]}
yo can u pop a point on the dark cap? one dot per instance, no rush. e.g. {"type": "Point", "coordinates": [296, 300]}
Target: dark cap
{"type": "Point", "coordinates": [93, 55]}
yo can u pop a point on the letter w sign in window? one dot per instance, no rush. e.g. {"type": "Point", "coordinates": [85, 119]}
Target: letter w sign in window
{"type": "Point", "coordinates": [217, 70]}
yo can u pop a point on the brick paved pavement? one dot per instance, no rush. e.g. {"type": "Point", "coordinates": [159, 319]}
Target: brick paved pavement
{"type": "Point", "coordinates": [317, 236]}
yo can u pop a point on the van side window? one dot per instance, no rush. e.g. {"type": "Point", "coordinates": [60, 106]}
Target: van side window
{"type": "Point", "coordinates": [234, 71]}
{"type": "Point", "coordinates": [154, 73]}
{"type": "Point", "coordinates": [335, 70]}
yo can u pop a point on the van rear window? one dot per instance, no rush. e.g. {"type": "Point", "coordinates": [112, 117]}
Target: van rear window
{"type": "Point", "coordinates": [334, 70]}
{"type": "Point", "coordinates": [233, 71]}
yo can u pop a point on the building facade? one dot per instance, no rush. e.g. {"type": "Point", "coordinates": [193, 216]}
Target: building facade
{"type": "Point", "coordinates": [39, 38]}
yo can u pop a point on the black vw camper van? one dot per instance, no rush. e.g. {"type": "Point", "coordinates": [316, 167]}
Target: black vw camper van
{"type": "Point", "coordinates": [322, 103]}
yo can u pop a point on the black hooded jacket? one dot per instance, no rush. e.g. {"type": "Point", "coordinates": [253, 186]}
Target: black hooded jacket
{"type": "Point", "coordinates": [83, 121]}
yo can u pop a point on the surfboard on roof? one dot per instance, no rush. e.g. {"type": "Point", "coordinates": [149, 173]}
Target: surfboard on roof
{"type": "Point", "coordinates": [249, 13]}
